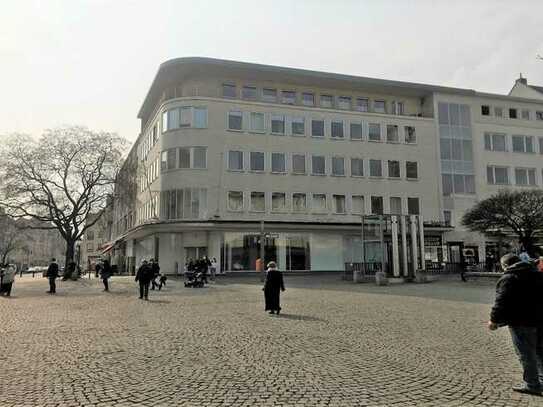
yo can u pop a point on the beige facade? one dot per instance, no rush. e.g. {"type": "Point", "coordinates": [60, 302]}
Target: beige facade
{"type": "Point", "coordinates": [227, 145]}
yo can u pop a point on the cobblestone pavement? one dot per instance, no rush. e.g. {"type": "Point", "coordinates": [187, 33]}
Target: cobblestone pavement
{"type": "Point", "coordinates": [336, 344]}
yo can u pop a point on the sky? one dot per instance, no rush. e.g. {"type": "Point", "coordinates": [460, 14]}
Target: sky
{"type": "Point", "coordinates": [91, 63]}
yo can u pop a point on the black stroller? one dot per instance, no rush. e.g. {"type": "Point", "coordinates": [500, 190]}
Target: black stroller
{"type": "Point", "coordinates": [194, 279]}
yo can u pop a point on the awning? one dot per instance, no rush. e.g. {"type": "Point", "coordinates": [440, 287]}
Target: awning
{"type": "Point", "coordinates": [107, 247]}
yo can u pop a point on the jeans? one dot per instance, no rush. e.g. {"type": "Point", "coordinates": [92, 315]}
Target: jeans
{"type": "Point", "coordinates": [52, 286]}
{"type": "Point", "coordinates": [106, 284]}
{"type": "Point", "coordinates": [144, 289]}
{"type": "Point", "coordinates": [528, 342]}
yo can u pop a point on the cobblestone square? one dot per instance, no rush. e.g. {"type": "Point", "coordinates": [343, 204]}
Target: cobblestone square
{"type": "Point", "coordinates": [335, 344]}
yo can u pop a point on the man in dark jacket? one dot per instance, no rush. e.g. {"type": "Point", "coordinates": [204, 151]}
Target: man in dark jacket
{"type": "Point", "coordinates": [156, 272]}
{"type": "Point", "coordinates": [52, 275]}
{"type": "Point", "coordinates": [144, 277]}
{"type": "Point", "coordinates": [105, 274]}
{"type": "Point", "coordinates": [519, 304]}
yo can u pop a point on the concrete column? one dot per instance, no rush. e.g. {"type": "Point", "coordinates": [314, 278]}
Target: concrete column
{"type": "Point", "coordinates": [403, 233]}
{"type": "Point", "coordinates": [395, 249]}
{"type": "Point", "coordinates": [282, 251]}
{"type": "Point", "coordinates": [421, 238]}
{"type": "Point", "coordinates": [414, 245]}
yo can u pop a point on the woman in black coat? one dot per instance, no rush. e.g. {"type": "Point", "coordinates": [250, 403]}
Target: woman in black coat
{"type": "Point", "coordinates": [272, 288]}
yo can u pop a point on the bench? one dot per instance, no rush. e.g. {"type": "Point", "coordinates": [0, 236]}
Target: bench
{"type": "Point", "coordinates": [493, 274]}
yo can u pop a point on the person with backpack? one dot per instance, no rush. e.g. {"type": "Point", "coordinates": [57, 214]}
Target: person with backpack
{"type": "Point", "coordinates": [52, 275]}
{"type": "Point", "coordinates": [144, 277]}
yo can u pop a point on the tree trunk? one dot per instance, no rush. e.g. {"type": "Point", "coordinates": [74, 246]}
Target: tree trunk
{"type": "Point", "coordinates": [70, 251]}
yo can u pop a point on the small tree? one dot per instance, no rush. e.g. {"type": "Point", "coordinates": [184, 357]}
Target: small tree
{"type": "Point", "coordinates": [60, 178]}
{"type": "Point", "coordinates": [518, 212]}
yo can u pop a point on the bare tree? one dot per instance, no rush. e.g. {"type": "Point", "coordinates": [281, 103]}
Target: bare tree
{"type": "Point", "coordinates": [60, 179]}
{"type": "Point", "coordinates": [10, 237]}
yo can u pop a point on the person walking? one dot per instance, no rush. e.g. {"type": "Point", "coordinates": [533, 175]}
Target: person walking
{"type": "Point", "coordinates": [272, 288]}
{"type": "Point", "coordinates": [52, 275]}
{"type": "Point", "coordinates": [213, 268]}
{"type": "Point", "coordinates": [105, 274]}
{"type": "Point", "coordinates": [519, 304]}
{"type": "Point", "coordinates": [7, 277]}
{"type": "Point", "coordinates": [144, 277]}
{"type": "Point", "coordinates": [156, 272]}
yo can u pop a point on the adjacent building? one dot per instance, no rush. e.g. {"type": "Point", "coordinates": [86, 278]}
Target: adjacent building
{"type": "Point", "coordinates": [237, 159]}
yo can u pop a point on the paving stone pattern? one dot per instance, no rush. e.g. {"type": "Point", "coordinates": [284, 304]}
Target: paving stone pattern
{"type": "Point", "coordinates": [336, 344]}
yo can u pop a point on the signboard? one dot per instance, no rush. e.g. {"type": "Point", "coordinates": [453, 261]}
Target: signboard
{"type": "Point", "coordinates": [433, 241]}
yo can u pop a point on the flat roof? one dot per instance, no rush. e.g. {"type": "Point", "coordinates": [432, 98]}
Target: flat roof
{"type": "Point", "coordinates": [174, 70]}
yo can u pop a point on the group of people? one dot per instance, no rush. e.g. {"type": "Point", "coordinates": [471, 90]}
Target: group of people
{"type": "Point", "coordinates": [148, 274]}
{"type": "Point", "coordinates": [202, 265]}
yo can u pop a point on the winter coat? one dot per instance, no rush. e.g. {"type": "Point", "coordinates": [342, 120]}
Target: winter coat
{"type": "Point", "coordinates": [8, 275]}
{"type": "Point", "coordinates": [52, 271]}
{"type": "Point", "coordinates": [105, 271]}
{"type": "Point", "coordinates": [144, 274]}
{"type": "Point", "coordinates": [519, 297]}
{"type": "Point", "coordinates": [272, 289]}
{"type": "Point", "coordinates": [156, 269]}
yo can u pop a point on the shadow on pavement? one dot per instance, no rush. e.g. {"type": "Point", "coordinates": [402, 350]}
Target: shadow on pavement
{"type": "Point", "coordinates": [300, 317]}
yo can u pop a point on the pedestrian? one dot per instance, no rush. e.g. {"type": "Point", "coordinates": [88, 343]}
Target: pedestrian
{"type": "Point", "coordinates": [259, 267]}
{"type": "Point", "coordinates": [105, 274]}
{"type": "Point", "coordinates": [144, 277]}
{"type": "Point", "coordinates": [7, 277]}
{"type": "Point", "coordinates": [52, 275]}
{"type": "Point", "coordinates": [213, 268]}
{"type": "Point", "coordinates": [206, 266]}
{"type": "Point", "coordinates": [97, 268]}
{"type": "Point", "coordinates": [156, 273]}
{"type": "Point", "coordinates": [519, 304]}
{"type": "Point", "coordinates": [272, 288]}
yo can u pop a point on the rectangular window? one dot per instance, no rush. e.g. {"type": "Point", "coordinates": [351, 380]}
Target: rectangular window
{"type": "Point", "coordinates": [458, 184]}
{"type": "Point", "coordinates": [523, 144]}
{"type": "Point", "coordinates": [235, 200]}
{"type": "Point", "coordinates": [336, 127]}
{"type": "Point", "coordinates": [447, 185]}
{"type": "Point", "coordinates": [298, 126]}
{"type": "Point", "coordinates": [525, 114]}
{"type": "Point", "coordinates": [199, 160]}
{"type": "Point", "coordinates": [413, 206]}
{"type": "Point", "coordinates": [357, 167]}
{"type": "Point", "coordinates": [540, 145]}
{"type": "Point", "coordinates": [288, 97]}
{"type": "Point", "coordinates": [497, 175]}
{"type": "Point", "coordinates": [377, 205]}
{"type": "Point", "coordinates": [279, 201]}
{"type": "Point", "coordinates": [257, 161]}
{"type": "Point", "coordinates": [278, 162]}
{"type": "Point", "coordinates": [258, 201]}
{"type": "Point", "coordinates": [269, 95]}
{"type": "Point", "coordinates": [512, 113]}
{"type": "Point", "coordinates": [339, 203]}
{"type": "Point", "coordinates": [525, 176]}
{"type": "Point", "coordinates": [362, 104]}
{"type": "Point", "coordinates": [379, 106]}
{"type": "Point", "coordinates": [357, 204]}
{"type": "Point", "coordinates": [392, 133]}
{"type": "Point", "coordinates": [411, 170]}
{"type": "Point", "coordinates": [184, 158]}
{"type": "Point", "coordinates": [498, 111]}
{"type": "Point", "coordinates": [376, 169]}
{"type": "Point", "coordinates": [249, 92]}
{"type": "Point", "coordinates": [277, 124]}
{"type": "Point", "coordinates": [410, 135]}
{"type": "Point", "coordinates": [344, 102]}
{"type": "Point", "coordinates": [299, 202]}
{"type": "Point", "coordinates": [318, 165]}
{"type": "Point", "coordinates": [308, 99]}
{"type": "Point", "coordinates": [317, 128]}
{"type": "Point", "coordinates": [338, 166]}
{"type": "Point", "coordinates": [235, 160]}
{"type": "Point", "coordinates": [257, 122]}
{"type": "Point", "coordinates": [298, 163]}
{"type": "Point", "coordinates": [319, 203]}
{"type": "Point", "coordinates": [185, 114]}
{"type": "Point", "coordinates": [485, 110]}
{"type": "Point", "coordinates": [393, 169]}
{"type": "Point", "coordinates": [170, 159]}
{"type": "Point", "coordinates": [374, 132]}
{"type": "Point", "coordinates": [398, 108]}
{"type": "Point", "coordinates": [327, 101]}
{"type": "Point", "coordinates": [200, 117]}
{"type": "Point", "coordinates": [356, 131]}
{"type": "Point", "coordinates": [395, 205]}
{"type": "Point", "coordinates": [495, 142]}
{"type": "Point", "coordinates": [229, 90]}
{"type": "Point", "coordinates": [235, 120]}
{"type": "Point", "coordinates": [539, 115]}
{"type": "Point", "coordinates": [173, 119]}
{"type": "Point", "coordinates": [447, 217]}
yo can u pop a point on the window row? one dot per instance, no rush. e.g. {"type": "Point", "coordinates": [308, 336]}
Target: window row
{"type": "Point", "coordinates": [498, 175]}
{"type": "Point", "coordinates": [300, 202]}
{"type": "Point", "coordinates": [511, 113]}
{"type": "Point", "coordinates": [186, 203]}
{"type": "Point", "coordinates": [184, 157]}
{"type": "Point", "coordinates": [281, 125]}
{"type": "Point", "coordinates": [317, 164]}
{"type": "Point", "coordinates": [184, 117]}
{"type": "Point", "coordinates": [148, 210]}
{"type": "Point", "coordinates": [147, 143]}
{"type": "Point", "coordinates": [312, 99]}
{"type": "Point", "coordinates": [458, 184]}
{"type": "Point", "coordinates": [519, 143]}
{"type": "Point", "coordinates": [149, 174]}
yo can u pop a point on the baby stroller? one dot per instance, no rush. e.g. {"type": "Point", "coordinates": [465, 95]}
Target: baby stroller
{"type": "Point", "coordinates": [194, 279]}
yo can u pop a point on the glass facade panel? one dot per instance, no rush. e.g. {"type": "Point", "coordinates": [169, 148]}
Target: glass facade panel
{"type": "Point", "coordinates": [338, 166]}
{"type": "Point", "coordinates": [278, 162]}
{"type": "Point", "coordinates": [235, 120]}
{"type": "Point", "coordinates": [318, 165]}
{"type": "Point", "coordinates": [356, 131]}
{"type": "Point", "coordinates": [278, 124]}
{"type": "Point", "coordinates": [374, 132]}
{"type": "Point", "coordinates": [357, 167]}
{"type": "Point", "coordinates": [298, 163]}
{"type": "Point", "coordinates": [376, 169]}
{"type": "Point", "coordinates": [235, 160]}
{"type": "Point", "coordinates": [257, 122]}
{"type": "Point", "coordinates": [298, 126]}
{"type": "Point", "coordinates": [257, 161]}
{"type": "Point", "coordinates": [337, 129]}
{"type": "Point", "coordinates": [200, 117]}
{"type": "Point", "coordinates": [317, 128]}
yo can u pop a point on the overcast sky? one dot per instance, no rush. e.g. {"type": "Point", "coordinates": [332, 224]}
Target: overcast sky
{"type": "Point", "coordinates": [92, 62]}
